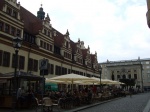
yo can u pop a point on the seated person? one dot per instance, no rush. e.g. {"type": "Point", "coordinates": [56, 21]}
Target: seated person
{"type": "Point", "coordinates": [20, 96]}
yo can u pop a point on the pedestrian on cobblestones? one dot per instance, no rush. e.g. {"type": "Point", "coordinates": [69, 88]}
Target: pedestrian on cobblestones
{"type": "Point", "coordinates": [130, 92]}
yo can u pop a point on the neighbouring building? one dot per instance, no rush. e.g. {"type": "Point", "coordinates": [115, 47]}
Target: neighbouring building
{"type": "Point", "coordinates": [41, 40]}
{"type": "Point", "coordinates": [148, 13]}
{"type": "Point", "coordinates": [137, 69]}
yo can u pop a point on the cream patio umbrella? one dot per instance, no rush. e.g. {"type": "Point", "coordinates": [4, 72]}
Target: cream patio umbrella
{"type": "Point", "coordinates": [114, 83]}
{"type": "Point", "coordinates": [97, 80]}
{"type": "Point", "coordinates": [55, 81]}
{"type": "Point", "coordinates": [83, 82]}
{"type": "Point", "coordinates": [71, 77]}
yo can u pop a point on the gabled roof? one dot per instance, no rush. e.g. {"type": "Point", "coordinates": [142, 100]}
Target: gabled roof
{"type": "Point", "coordinates": [84, 53]}
{"type": "Point", "coordinates": [74, 46]}
{"type": "Point", "coordinates": [32, 24]}
{"type": "Point", "coordinates": [93, 58]}
{"type": "Point", "coordinates": [58, 39]}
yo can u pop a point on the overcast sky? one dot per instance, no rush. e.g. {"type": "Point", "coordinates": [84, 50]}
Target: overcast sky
{"type": "Point", "coordinates": [115, 29]}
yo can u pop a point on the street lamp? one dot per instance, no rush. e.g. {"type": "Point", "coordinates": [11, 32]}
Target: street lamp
{"type": "Point", "coordinates": [17, 42]}
{"type": "Point", "coordinates": [100, 73]}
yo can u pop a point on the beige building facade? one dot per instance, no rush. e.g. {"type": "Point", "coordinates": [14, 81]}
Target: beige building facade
{"type": "Point", "coordinates": [137, 69]}
{"type": "Point", "coordinates": [40, 40]}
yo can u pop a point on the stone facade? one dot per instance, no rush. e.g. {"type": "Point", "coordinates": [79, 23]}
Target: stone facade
{"type": "Point", "coordinates": [40, 40]}
{"type": "Point", "coordinates": [138, 69]}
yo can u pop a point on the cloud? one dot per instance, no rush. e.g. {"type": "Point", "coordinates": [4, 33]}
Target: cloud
{"type": "Point", "coordinates": [116, 30]}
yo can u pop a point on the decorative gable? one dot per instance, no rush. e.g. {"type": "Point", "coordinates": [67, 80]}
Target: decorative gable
{"type": "Point", "coordinates": [12, 8]}
{"type": "Point", "coordinates": [66, 43]}
{"type": "Point", "coordinates": [46, 22]}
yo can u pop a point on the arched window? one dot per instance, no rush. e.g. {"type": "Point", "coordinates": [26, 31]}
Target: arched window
{"type": "Point", "coordinates": [124, 77]}
{"type": "Point", "coordinates": [112, 77]}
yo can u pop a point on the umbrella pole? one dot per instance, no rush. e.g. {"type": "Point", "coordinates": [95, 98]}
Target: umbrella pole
{"type": "Point", "coordinates": [72, 86]}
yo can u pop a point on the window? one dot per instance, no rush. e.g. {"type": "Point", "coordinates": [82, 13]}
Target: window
{"type": "Point", "coordinates": [6, 59]}
{"type": "Point", "coordinates": [129, 76]}
{"type": "Point", "coordinates": [13, 61]}
{"type": "Point", "coordinates": [64, 70]}
{"type": "Point", "coordinates": [33, 40]}
{"type": "Point", "coordinates": [52, 69]}
{"type": "Point", "coordinates": [44, 45]}
{"type": "Point", "coordinates": [67, 44]}
{"type": "Point", "coordinates": [35, 65]}
{"type": "Point", "coordinates": [47, 46]}
{"type": "Point", "coordinates": [118, 76]}
{"type": "Point", "coordinates": [69, 71]}
{"type": "Point", "coordinates": [49, 34]}
{"type": "Point", "coordinates": [13, 31]}
{"type": "Point", "coordinates": [50, 47]}
{"type": "Point", "coordinates": [21, 62]}
{"type": "Point", "coordinates": [18, 32]}
{"type": "Point", "coordinates": [7, 28]}
{"type": "Point", "coordinates": [30, 64]}
{"type": "Point", "coordinates": [41, 43]}
{"type": "Point", "coordinates": [1, 56]}
{"type": "Point", "coordinates": [147, 62]}
{"type": "Point", "coordinates": [9, 10]}
{"type": "Point", "coordinates": [45, 32]}
{"type": "Point", "coordinates": [25, 36]}
{"type": "Point", "coordinates": [57, 70]}
{"type": "Point", "coordinates": [81, 73]}
{"type": "Point", "coordinates": [135, 76]}
{"type": "Point", "coordinates": [1, 26]}
{"type": "Point", "coordinates": [14, 14]}
{"type": "Point", "coordinates": [113, 77]}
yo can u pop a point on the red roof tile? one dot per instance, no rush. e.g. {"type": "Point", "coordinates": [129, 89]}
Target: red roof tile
{"type": "Point", "coordinates": [1, 4]}
{"type": "Point", "coordinates": [32, 24]}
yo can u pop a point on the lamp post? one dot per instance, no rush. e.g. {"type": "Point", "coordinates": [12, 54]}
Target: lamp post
{"type": "Point", "coordinates": [17, 42]}
{"type": "Point", "coordinates": [141, 77]}
{"type": "Point", "coordinates": [100, 73]}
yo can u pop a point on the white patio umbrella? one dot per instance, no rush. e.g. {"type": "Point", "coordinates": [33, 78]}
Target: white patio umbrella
{"type": "Point", "coordinates": [71, 77]}
{"type": "Point", "coordinates": [83, 82]}
{"type": "Point", "coordinates": [55, 81]}
{"type": "Point", "coordinates": [97, 80]}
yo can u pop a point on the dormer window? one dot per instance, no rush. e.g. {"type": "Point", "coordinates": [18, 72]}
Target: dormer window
{"type": "Point", "coordinates": [14, 14]}
{"type": "Point", "coordinates": [45, 32]}
{"type": "Point", "coordinates": [44, 45]}
{"type": "Point", "coordinates": [1, 26]}
{"type": "Point", "coordinates": [48, 34]}
{"type": "Point", "coordinates": [13, 31]}
{"type": "Point", "coordinates": [9, 10]}
{"type": "Point", "coordinates": [7, 28]}
{"type": "Point", "coordinates": [67, 45]}
{"type": "Point", "coordinates": [19, 33]}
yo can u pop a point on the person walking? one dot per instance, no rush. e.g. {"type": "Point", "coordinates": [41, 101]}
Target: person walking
{"type": "Point", "coordinates": [130, 92]}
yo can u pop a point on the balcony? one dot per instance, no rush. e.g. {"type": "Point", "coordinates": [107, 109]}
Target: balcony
{"type": "Point", "coordinates": [148, 18]}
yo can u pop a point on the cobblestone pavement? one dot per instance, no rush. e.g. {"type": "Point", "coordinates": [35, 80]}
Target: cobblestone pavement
{"type": "Point", "coordinates": [136, 103]}
{"type": "Point", "coordinates": [125, 104]}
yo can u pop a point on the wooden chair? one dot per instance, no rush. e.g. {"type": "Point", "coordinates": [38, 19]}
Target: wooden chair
{"type": "Point", "coordinates": [47, 102]}
{"type": "Point", "coordinates": [57, 105]}
{"type": "Point", "coordinates": [38, 104]}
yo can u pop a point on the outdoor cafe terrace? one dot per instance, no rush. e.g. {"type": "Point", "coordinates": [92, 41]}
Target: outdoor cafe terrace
{"type": "Point", "coordinates": [83, 91]}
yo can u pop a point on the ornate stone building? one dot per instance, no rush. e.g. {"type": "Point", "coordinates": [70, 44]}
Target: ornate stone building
{"type": "Point", "coordinates": [137, 69]}
{"type": "Point", "coordinates": [40, 40]}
